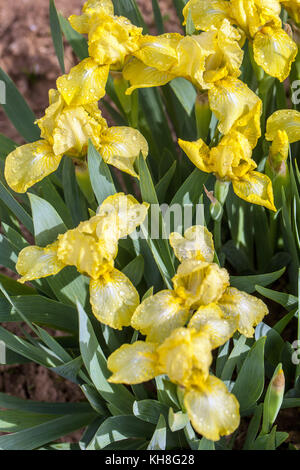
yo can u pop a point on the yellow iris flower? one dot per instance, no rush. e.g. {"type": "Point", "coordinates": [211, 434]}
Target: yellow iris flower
{"type": "Point", "coordinates": [259, 20]}
{"type": "Point", "coordinates": [201, 296]}
{"type": "Point", "coordinates": [185, 356]}
{"type": "Point", "coordinates": [66, 130]}
{"type": "Point", "coordinates": [92, 248]}
{"type": "Point", "coordinates": [293, 9]}
{"type": "Point", "coordinates": [110, 39]}
{"type": "Point", "coordinates": [202, 59]}
{"type": "Point", "coordinates": [283, 128]}
{"type": "Point", "coordinates": [231, 161]}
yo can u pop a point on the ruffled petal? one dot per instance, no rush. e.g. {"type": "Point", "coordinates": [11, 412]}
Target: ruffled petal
{"type": "Point", "coordinates": [247, 309]}
{"type": "Point", "coordinates": [29, 164]}
{"type": "Point", "coordinates": [159, 51]}
{"type": "Point", "coordinates": [114, 299]}
{"type": "Point", "coordinates": [198, 152]}
{"type": "Point", "coordinates": [74, 127]}
{"type": "Point", "coordinates": [274, 51]}
{"type": "Point", "coordinates": [279, 150]}
{"type": "Point", "coordinates": [256, 188]}
{"type": "Point", "coordinates": [231, 100]}
{"type": "Point", "coordinates": [287, 120]}
{"type": "Point", "coordinates": [111, 39]}
{"type": "Point", "coordinates": [141, 76]}
{"type": "Point", "coordinates": [84, 251]}
{"type": "Point", "coordinates": [206, 14]}
{"type": "Point", "coordinates": [84, 84]}
{"type": "Point", "coordinates": [200, 283]}
{"type": "Point", "coordinates": [121, 146]}
{"type": "Point", "coordinates": [133, 363]}
{"type": "Point", "coordinates": [197, 243]}
{"type": "Point", "coordinates": [122, 212]}
{"type": "Point", "coordinates": [211, 320]}
{"type": "Point", "coordinates": [35, 262]}
{"type": "Point", "coordinates": [182, 351]}
{"type": "Point", "coordinates": [213, 411]}
{"type": "Point", "coordinates": [82, 23]}
{"type": "Point", "coordinates": [159, 315]}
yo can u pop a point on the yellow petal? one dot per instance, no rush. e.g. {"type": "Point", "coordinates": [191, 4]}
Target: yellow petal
{"type": "Point", "coordinates": [231, 100]}
{"type": "Point", "coordinates": [48, 121]}
{"type": "Point", "coordinates": [159, 315]}
{"type": "Point", "coordinates": [232, 156]}
{"type": "Point", "coordinates": [211, 320]}
{"type": "Point", "coordinates": [293, 9]}
{"type": "Point", "coordinates": [287, 120]}
{"type": "Point", "coordinates": [84, 84]}
{"type": "Point", "coordinates": [182, 351]}
{"type": "Point", "coordinates": [123, 212]}
{"type": "Point", "coordinates": [200, 283]}
{"type": "Point", "coordinates": [91, 10]}
{"type": "Point", "coordinates": [114, 299]}
{"type": "Point", "coordinates": [198, 152]}
{"type": "Point", "coordinates": [74, 128]}
{"type": "Point", "coordinates": [275, 52]}
{"type": "Point", "coordinates": [35, 262]}
{"type": "Point", "coordinates": [121, 146]}
{"type": "Point", "coordinates": [252, 15]}
{"type": "Point", "coordinates": [133, 363]}
{"type": "Point", "coordinates": [197, 243]}
{"type": "Point", "coordinates": [213, 411]}
{"type": "Point", "coordinates": [84, 251]}
{"type": "Point", "coordinates": [29, 164]}
{"type": "Point", "coordinates": [206, 14]}
{"type": "Point", "coordinates": [249, 124]}
{"type": "Point", "coordinates": [159, 51]}
{"type": "Point", "coordinates": [256, 188]}
{"type": "Point", "coordinates": [247, 309]}
{"type": "Point", "coordinates": [279, 150]}
{"type": "Point", "coordinates": [111, 39]}
{"type": "Point", "coordinates": [141, 76]}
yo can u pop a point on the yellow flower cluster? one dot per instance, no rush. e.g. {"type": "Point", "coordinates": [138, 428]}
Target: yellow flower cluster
{"type": "Point", "coordinates": [259, 21]}
{"type": "Point", "coordinates": [213, 311]}
{"type": "Point", "coordinates": [91, 248]}
{"type": "Point", "coordinates": [211, 60]}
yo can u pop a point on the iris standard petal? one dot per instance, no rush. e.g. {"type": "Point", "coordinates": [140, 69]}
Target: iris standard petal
{"type": "Point", "coordinates": [123, 212]}
{"type": "Point", "coordinates": [140, 75]}
{"type": "Point", "coordinates": [287, 120]}
{"type": "Point", "coordinates": [84, 84]}
{"type": "Point", "coordinates": [231, 100]}
{"type": "Point", "coordinates": [159, 315]}
{"type": "Point", "coordinates": [200, 283]}
{"type": "Point", "coordinates": [197, 243]}
{"type": "Point", "coordinates": [206, 14]}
